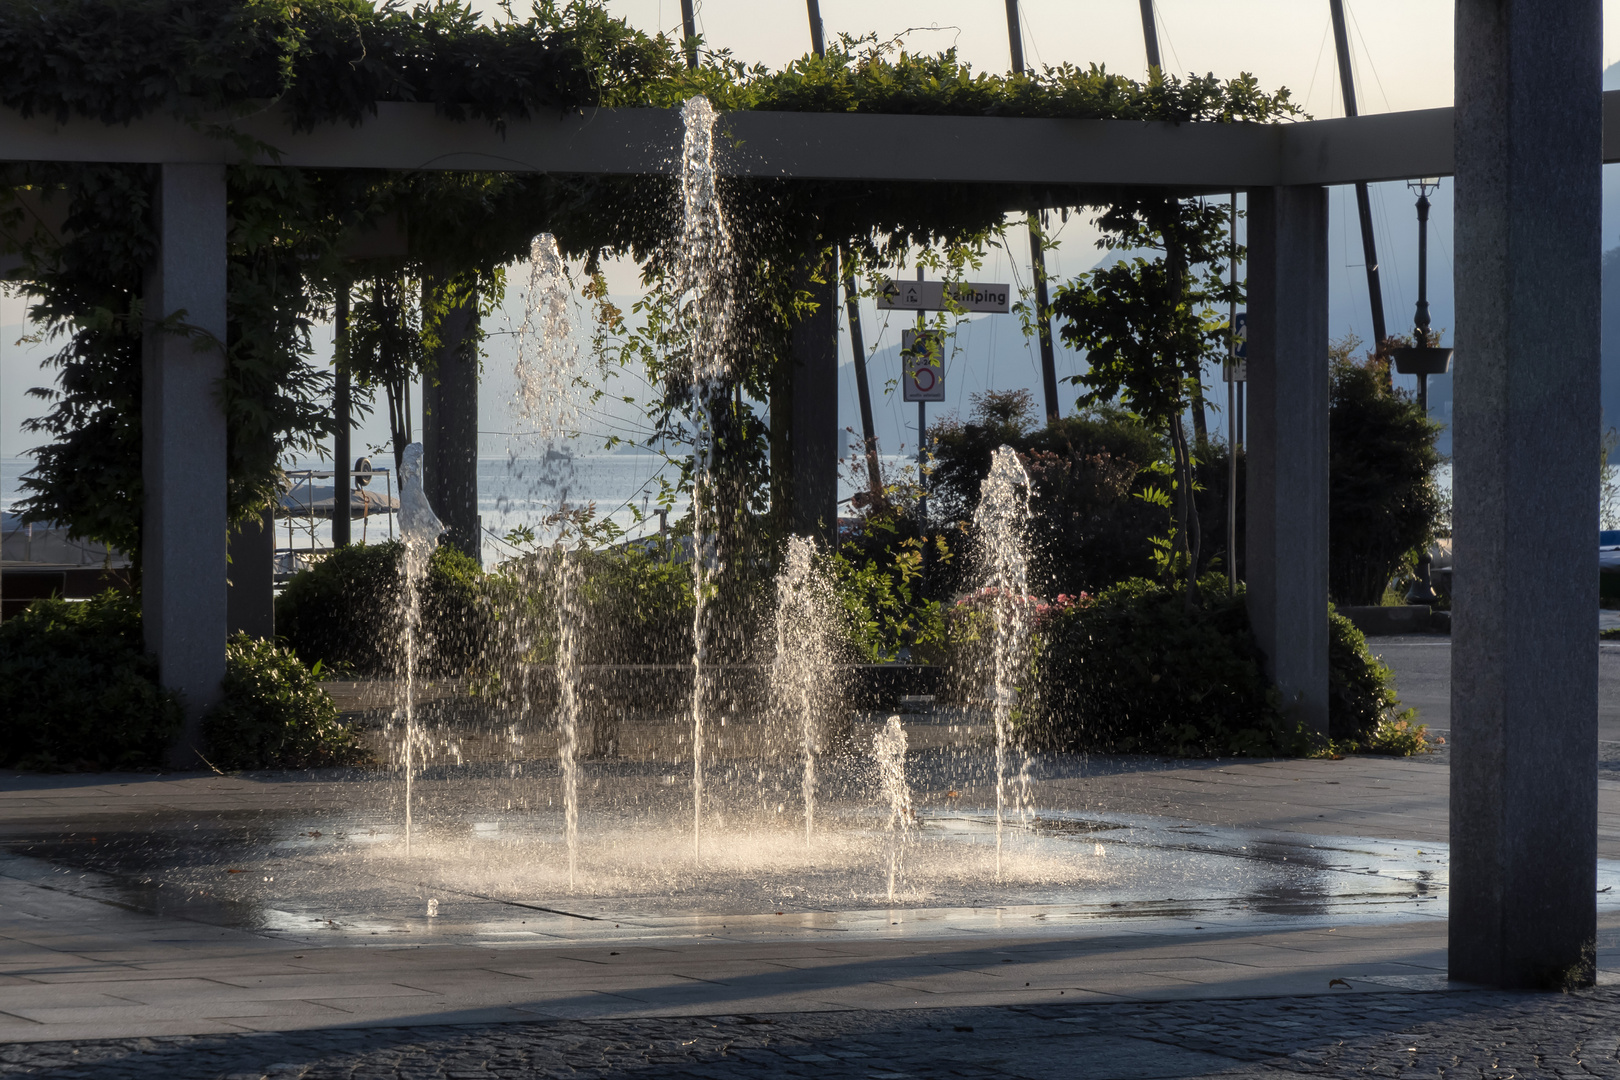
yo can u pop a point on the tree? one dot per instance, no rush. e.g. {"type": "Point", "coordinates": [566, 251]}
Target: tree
{"type": "Point", "coordinates": [1149, 324]}
{"type": "Point", "coordinates": [1383, 502]}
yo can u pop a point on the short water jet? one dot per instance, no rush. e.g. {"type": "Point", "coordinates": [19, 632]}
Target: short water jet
{"type": "Point", "coordinates": [889, 749]}
{"type": "Point", "coordinates": [420, 530]}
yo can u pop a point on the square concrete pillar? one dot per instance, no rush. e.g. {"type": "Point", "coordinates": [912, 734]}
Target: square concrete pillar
{"type": "Point", "coordinates": [1286, 482]}
{"type": "Point", "coordinates": [450, 431]}
{"type": "Point", "coordinates": [1525, 452]}
{"type": "Point", "coordinates": [183, 448]}
{"type": "Point", "coordinates": [814, 433]}
{"type": "Point", "coordinates": [250, 606]}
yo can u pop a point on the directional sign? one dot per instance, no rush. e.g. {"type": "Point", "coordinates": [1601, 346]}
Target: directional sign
{"type": "Point", "coordinates": [930, 296]}
{"type": "Point", "coordinates": [922, 352]}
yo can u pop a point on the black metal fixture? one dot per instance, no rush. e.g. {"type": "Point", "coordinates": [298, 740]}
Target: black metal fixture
{"type": "Point", "coordinates": [1423, 357]}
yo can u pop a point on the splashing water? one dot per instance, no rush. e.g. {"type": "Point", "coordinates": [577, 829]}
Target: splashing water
{"type": "Point", "coordinates": [889, 748]}
{"type": "Point", "coordinates": [420, 528]}
{"type": "Point", "coordinates": [804, 670]}
{"type": "Point", "coordinates": [547, 367]}
{"type": "Point", "coordinates": [999, 524]}
{"type": "Point", "coordinates": [548, 376]}
{"type": "Point", "coordinates": [705, 273]}
{"type": "Point", "coordinates": [570, 617]}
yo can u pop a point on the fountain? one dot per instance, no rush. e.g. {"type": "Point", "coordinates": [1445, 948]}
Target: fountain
{"type": "Point", "coordinates": [999, 524]}
{"type": "Point", "coordinates": [889, 750]}
{"type": "Point", "coordinates": [420, 530]}
{"type": "Point", "coordinates": [803, 674]}
{"type": "Point", "coordinates": [704, 273]}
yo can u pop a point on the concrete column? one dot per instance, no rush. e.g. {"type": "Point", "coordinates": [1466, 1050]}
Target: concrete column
{"type": "Point", "coordinates": [250, 606]}
{"type": "Point", "coordinates": [1525, 446]}
{"type": "Point", "coordinates": [1286, 492]}
{"type": "Point", "coordinates": [183, 449]}
{"type": "Point", "coordinates": [814, 421]}
{"type": "Point", "coordinates": [450, 431]}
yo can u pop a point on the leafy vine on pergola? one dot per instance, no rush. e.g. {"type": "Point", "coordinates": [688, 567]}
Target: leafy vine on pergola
{"type": "Point", "coordinates": [332, 62]}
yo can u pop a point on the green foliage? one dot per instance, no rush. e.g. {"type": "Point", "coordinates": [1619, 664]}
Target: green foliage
{"type": "Point", "coordinates": [78, 690]}
{"type": "Point", "coordinates": [1400, 736]}
{"type": "Point", "coordinates": [880, 577]}
{"type": "Point", "coordinates": [1134, 671]}
{"type": "Point", "coordinates": [1093, 514]}
{"type": "Point", "coordinates": [274, 714]}
{"type": "Point", "coordinates": [344, 612]}
{"type": "Point", "coordinates": [324, 60]}
{"type": "Point", "coordinates": [1383, 502]}
{"type": "Point", "coordinates": [1362, 706]}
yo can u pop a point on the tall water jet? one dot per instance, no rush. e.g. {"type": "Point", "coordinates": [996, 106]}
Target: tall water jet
{"type": "Point", "coordinates": [999, 526]}
{"type": "Point", "coordinates": [704, 269]}
{"type": "Point", "coordinates": [804, 672]}
{"type": "Point", "coordinates": [420, 530]}
{"type": "Point", "coordinates": [547, 372]}
{"type": "Point", "coordinates": [569, 618]}
{"type": "Point", "coordinates": [889, 748]}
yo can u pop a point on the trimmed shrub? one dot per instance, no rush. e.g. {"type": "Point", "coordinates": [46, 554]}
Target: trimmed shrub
{"type": "Point", "coordinates": [1383, 502]}
{"type": "Point", "coordinates": [1134, 671]}
{"type": "Point", "coordinates": [77, 689]}
{"type": "Point", "coordinates": [274, 713]}
{"type": "Point", "coordinates": [344, 612]}
{"type": "Point", "coordinates": [1363, 712]}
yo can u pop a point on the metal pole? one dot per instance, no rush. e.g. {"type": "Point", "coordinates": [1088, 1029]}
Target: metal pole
{"type": "Point", "coordinates": [341, 448]}
{"type": "Point", "coordinates": [817, 42]}
{"type": "Point", "coordinates": [1421, 322]}
{"type": "Point", "coordinates": [857, 344]}
{"type": "Point", "coordinates": [1231, 410]}
{"type": "Point", "coordinates": [1015, 37]}
{"type": "Point", "coordinates": [922, 435]}
{"type": "Point", "coordinates": [1369, 247]}
{"type": "Point", "coordinates": [1037, 251]}
{"type": "Point", "coordinates": [1150, 34]}
{"type": "Point", "coordinates": [689, 27]}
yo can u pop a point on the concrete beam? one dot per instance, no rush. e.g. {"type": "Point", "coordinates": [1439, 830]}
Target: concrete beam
{"type": "Point", "coordinates": [1524, 666]}
{"type": "Point", "coordinates": [183, 533]}
{"type": "Point", "coordinates": [867, 146]}
{"type": "Point", "coordinates": [1286, 497]}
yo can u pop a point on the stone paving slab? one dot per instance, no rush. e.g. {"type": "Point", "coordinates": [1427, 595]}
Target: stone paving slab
{"type": "Point", "coordinates": [1348, 1034]}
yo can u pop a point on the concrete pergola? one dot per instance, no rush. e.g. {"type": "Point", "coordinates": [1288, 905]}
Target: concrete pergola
{"type": "Point", "coordinates": [1525, 143]}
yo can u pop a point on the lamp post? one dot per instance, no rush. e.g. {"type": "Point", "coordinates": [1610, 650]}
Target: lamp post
{"type": "Point", "coordinates": [1422, 358]}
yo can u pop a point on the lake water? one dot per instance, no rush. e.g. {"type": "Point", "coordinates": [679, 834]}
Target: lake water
{"type": "Point", "coordinates": [623, 488]}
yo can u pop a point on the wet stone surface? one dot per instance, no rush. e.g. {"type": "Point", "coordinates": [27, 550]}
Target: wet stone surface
{"type": "Point", "coordinates": [1474, 1034]}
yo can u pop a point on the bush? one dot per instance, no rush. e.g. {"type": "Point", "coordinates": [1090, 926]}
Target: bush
{"type": "Point", "coordinates": [344, 612]}
{"type": "Point", "coordinates": [1134, 671]}
{"type": "Point", "coordinates": [1382, 499]}
{"type": "Point", "coordinates": [77, 688]}
{"type": "Point", "coordinates": [274, 714]}
{"type": "Point", "coordinates": [1362, 706]}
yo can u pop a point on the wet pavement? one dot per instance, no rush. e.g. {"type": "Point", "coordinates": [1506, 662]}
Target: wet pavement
{"type": "Point", "coordinates": [1221, 917]}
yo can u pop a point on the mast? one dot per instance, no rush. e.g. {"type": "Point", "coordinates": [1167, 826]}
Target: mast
{"type": "Point", "coordinates": [1369, 248]}
{"type": "Point", "coordinates": [1037, 251]}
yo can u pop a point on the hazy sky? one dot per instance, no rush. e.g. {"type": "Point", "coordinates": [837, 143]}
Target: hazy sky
{"type": "Point", "coordinates": [1403, 59]}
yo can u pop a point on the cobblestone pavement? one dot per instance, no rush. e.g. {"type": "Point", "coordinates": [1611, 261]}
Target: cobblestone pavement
{"type": "Point", "coordinates": [1447, 1034]}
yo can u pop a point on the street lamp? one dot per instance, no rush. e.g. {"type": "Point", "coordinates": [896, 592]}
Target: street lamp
{"type": "Point", "coordinates": [1422, 358]}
